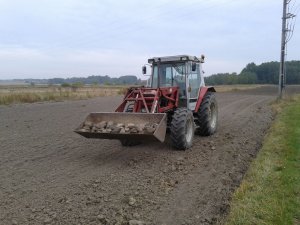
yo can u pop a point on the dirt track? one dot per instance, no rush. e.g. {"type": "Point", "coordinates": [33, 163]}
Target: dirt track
{"type": "Point", "coordinates": [50, 175]}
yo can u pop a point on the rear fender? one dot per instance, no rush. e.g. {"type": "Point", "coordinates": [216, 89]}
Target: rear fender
{"type": "Point", "coordinates": [203, 91]}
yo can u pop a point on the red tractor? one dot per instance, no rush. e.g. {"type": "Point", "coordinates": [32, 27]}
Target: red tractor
{"type": "Point", "coordinates": [175, 100]}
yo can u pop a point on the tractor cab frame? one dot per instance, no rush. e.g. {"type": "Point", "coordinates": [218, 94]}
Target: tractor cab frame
{"type": "Point", "coordinates": [183, 71]}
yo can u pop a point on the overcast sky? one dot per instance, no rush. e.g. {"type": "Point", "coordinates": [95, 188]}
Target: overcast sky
{"type": "Point", "coordinates": [66, 38]}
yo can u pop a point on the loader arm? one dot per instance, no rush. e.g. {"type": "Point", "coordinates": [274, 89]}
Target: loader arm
{"type": "Point", "coordinates": [150, 100]}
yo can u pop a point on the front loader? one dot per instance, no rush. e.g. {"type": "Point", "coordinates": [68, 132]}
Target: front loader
{"type": "Point", "coordinates": [175, 100]}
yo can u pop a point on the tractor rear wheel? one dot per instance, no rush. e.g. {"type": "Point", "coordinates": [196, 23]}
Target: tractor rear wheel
{"type": "Point", "coordinates": [208, 115]}
{"type": "Point", "coordinates": [182, 129]}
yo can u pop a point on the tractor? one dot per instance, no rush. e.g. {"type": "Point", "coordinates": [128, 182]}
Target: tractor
{"type": "Point", "coordinates": [175, 101]}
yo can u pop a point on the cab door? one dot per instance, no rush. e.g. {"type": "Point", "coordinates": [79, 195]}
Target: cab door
{"type": "Point", "coordinates": [193, 85]}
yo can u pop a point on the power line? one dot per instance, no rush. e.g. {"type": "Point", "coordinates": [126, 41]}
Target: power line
{"type": "Point", "coordinates": [291, 14]}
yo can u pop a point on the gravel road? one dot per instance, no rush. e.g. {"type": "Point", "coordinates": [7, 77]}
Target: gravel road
{"type": "Point", "coordinates": [51, 175]}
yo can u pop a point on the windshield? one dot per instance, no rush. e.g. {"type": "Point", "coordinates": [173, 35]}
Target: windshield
{"type": "Point", "coordinates": [170, 75]}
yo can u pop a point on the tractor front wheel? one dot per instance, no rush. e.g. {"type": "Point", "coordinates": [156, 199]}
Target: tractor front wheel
{"type": "Point", "coordinates": [182, 129]}
{"type": "Point", "coordinates": [208, 115]}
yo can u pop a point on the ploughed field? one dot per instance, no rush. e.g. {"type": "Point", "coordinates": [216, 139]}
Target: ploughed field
{"type": "Point", "coordinates": [51, 175]}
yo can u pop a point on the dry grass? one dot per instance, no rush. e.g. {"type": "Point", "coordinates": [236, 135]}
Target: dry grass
{"type": "Point", "coordinates": [237, 87]}
{"type": "Point", "coordinates": [28, 94]}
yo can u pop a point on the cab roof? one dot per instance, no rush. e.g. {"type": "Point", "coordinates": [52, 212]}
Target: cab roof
{"type": "Point", "coordinates": [176, 58]}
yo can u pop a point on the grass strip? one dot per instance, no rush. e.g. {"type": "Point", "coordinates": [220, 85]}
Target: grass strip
{"type": "Point", "coordinates": [49, 94]}
{"type": "Point", "coordinates": [270, 191]}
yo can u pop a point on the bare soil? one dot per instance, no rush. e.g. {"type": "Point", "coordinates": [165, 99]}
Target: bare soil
{"type": "Point", "coordinates": [51, 175]}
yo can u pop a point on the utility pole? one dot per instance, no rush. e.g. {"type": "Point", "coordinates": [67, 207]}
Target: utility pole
{"type": "Point", "coordinates": [284, 40]}
{"type": "Point", "coordinates": [283, 49]}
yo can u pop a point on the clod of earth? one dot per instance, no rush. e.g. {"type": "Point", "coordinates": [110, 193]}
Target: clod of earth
{"type": "Point", "coordinates": [150, 128]}
{"type": "Point", "coordinates": [88, 124]}
{"type": "Point", "coordinates": [109, 124]}
{"type": "Point", "coordinates": [118, 128]}
{"type": "Point", "coordinates": [101, 125]}
{"type": "Point", "coordinates": [131, 201]}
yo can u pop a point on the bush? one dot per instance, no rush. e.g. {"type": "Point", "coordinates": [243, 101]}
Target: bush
{"type": "Point", "coordinates": [78, 84]}
{"type": "Point", "coordinates": [66, 85]}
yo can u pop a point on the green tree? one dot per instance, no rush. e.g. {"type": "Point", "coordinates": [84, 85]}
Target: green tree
{"type": "Point", "coordinates": [65, 85]}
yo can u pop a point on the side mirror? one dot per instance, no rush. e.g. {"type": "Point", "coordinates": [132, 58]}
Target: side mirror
{"type": "Point", "coordinates": [194, 67]}
{"type": "Point", "coordinates": [202, 58]}
{"type": "Point", "coordinates": [144, 70]}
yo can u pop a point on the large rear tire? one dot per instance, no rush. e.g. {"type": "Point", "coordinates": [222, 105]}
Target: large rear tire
{"type": "Point", "coordinates": [208, 115]}
{"type": "Point", "coordinates": [182, 129]}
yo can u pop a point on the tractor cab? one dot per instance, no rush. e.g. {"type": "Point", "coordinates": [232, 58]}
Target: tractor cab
{"type": "Point", "coordinates": [181, 71]}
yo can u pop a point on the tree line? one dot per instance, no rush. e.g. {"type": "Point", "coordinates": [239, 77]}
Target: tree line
{"type": "Point", "coordinates": [265, 73]}
{"type": "Point", "coordinates": [90, 80]}
{"type": "Point", "coordinates": [106, 80]}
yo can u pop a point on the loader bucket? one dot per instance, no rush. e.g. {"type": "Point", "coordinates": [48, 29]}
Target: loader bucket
{"type": "Point", "coordinates": [139, 119]}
